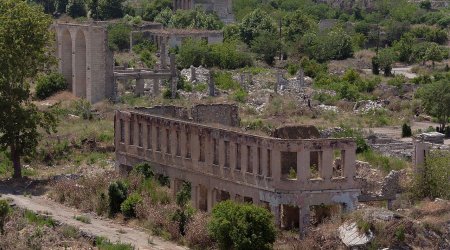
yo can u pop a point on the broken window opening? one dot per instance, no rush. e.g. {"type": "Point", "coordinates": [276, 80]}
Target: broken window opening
{"type": "Point", "coordinates": [259, 161]}
{"type": "Point", "coordinates": [238, 156]}
{"type": "Point", "coordinates": [290, 217]}
{"type": "Point", "coordinates": [315, 164]}
{"type": "Point", "coordinates": [222, 196]}
{"type": "Point", "coordinates": [338, 163]}
{"type": "Point", "coordinates": [149, 136]}
{"type": "Point", "coordinates": [122, 131]}
{"type": "Point", "coordinates": [158, 139]}
{"type": "Point", "coordinates": [227, 154]}
{"type": "Point", "coordinates": [249, 160]}
{"type": "Point", "coordinates": [202, 148]}
{"type": "Point", "coordinates": [188, 145]}
{"type": "Point", "coordinates": [131, 132]}
{"type": "Point", "coordinates": [289, 165]}
{"type": "Point", "coordinates": [321, 213]}
{"type": "Point", "coordinates": [269, 165]}
{"type": "Point", "coordinates": [215, 152]}
{"type": "Point", "coordinates": [140, 135]}
{"type": "Point", "coordinates": [168, 148]}
{"type": "Point", "coordinates": [178, 150]}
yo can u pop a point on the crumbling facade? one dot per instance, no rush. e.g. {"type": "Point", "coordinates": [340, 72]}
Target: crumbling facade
{"type": "Point", "coordinates": [294, 178]}
{"type": "Point", "coordinates": [85, 60]}
{"type": "Point", "coordinates": [223, 8]}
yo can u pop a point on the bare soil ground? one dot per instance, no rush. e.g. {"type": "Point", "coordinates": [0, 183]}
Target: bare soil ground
{"type": "Point", "coordinates": [113, 231]}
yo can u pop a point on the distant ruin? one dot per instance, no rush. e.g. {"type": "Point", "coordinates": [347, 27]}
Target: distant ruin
{"type": "Point", "coordinates": [291, 177]}
{"type": "Point", "coordinates": [223, 8]}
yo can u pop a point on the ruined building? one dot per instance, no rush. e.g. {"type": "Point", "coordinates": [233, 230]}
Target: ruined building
{"type": "Point", "coordinates": [85, 60]}
{"type": "Point", "coordinates": [294, 178]}
{"type": "Point", "coordinates": [223, 8]}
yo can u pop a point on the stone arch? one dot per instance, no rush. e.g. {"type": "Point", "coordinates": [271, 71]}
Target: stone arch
{"type": "Point", "coordinates": [66, 57]}
{"type": "Point", "coordinates": [79, 83]}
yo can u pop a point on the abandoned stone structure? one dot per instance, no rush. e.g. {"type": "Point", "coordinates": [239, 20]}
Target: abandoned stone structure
{"type": "Point", "coordinates": [85, 60]}
{"type": "Point", "coordinates": [223, 8]}
{"type": "Point", "coordinates": [294, 178]}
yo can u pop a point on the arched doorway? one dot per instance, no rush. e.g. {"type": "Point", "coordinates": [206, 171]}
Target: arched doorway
{"type": "Point", "coordinates": [79, 87]}
{"type": "Point", "coordinates": [66, 57]}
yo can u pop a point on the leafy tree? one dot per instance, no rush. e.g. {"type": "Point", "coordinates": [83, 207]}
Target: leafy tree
{"type": "Point", "coordinates": [432, 179]}
{"type": "Point", "coordinates": [436, 100]}
{"type": "Point", "coordinates": [94, 9]}
{"type": "Point", "coordinates": [242, 226]}
{"type": "Point", "coordinates": [231, 33]}
{"type": "Point", "coordinates": [254, 24]}
{"type": "Point", "coordinates": [76, 8]}
{"type": "Point", "coordinates": [296, 24]}
{"type": "Point", "coordinates": [110, 9]}
{"type": "Point", "coordinates": [50, 84]}
{"type": "Point", "coordinates": [404, 47]}
{"type": "Point", "coordinates": [164, 17]}
{"type": "Point", "coordinates": [192, 52]}
{"type": "Point", "coordinates": [61, 6]}
{"type": "Point", "coordinates": [266, 45]}
{"type": "Point", "coordinates": [25, 42]}
{"type": "Point", "coordinates": [5, 209]}
{"type": "Point", "coordinates": [119, 36]}
{"type": "Point", "coordinates": [117, 193]}
{"type": "Point", "coordinates": [434, 54]}
{"type": "Point", "coordinates": [155, 8]}
{"type": "Point", "coordinates": [184, 212]}
{"type": "Point", "coordinates": [335, 44]}
{"type": "Point", "coordinates": [386, 57]}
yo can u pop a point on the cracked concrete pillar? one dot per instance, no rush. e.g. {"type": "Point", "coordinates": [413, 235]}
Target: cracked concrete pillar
{"type": "Point", "coordinates": [155, 87]}
{"type": "Point", "coordinates": [301, 77]}
{"type": "Point", "coordinates": [275, 209]}
{"type": "Point", "coordinates": [139, 89]}
{"type": "Point", "coordinates": [211, 85]}
{"type": "Point", "coordinates": [303, 220]}
{"type": "Point", "coordinates": [162, 52]}
{"type": "Point", "coordinates": [193, 74]}
{"type": "Point", "coordinates": [173, 87]}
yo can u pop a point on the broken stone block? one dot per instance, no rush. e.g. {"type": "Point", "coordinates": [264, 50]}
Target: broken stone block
{"type": "Point", "coordinates": [352, 237]}
{"type": "Point", "coordinates": [432, 137]}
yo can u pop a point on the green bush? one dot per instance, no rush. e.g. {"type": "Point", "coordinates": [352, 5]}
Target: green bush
{"type": "Point", "coordinates": [361, 144]}
{"type": "Point", "coordinates": [240, 95]}
{"type": "Point", "coordinates": [104, 244]}
{"type": "Point", "coordinates": [47, 85]}
{"type": "Point", "coordinates": [117, 193]}
{"type": "Point", "coordinates": [242, 226]}
{"type": "Point", "coordinates": [144, 169]}
{"type": "Point", "coordinates": [431, 179]}
{"type": "Point", "coordinates": [128, 207]}
{"type": "Point", "coordinates": [83, 108]}
{"type": "Point", "coordinates": [4, 211]}
{"type": "Point", "coordinates": [224, 81]}
{"type": "Point", "coordinates": [119, 36]}
{"type": "Point", "coordinates": [76, 8]}
{"type": "Point", "coordinates": [406, 130]}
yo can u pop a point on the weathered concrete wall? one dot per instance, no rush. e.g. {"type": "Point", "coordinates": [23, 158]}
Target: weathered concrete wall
{"type": "Point", "coordinates": [85, 60]}
{"type": "Point", "coordinates": [225, 114]}
{"type": "Point", "coordinates": [236, 164]}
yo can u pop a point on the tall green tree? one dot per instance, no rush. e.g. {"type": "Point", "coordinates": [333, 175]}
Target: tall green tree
{"type": "Point", "coordinates": [254, 24]}
{"type": "Point", "coordinates": [25, 42]}
{"type": "Point", "coordinates": [434, 53]}
{"type": "Point", "coordinates": [94, 9]}
{"type": "Point", "coordinates": [436, 100]}
{"type": "Point", "coordinates": [76, 8]}
{"type": "Point", "coordinates": [110, 9]}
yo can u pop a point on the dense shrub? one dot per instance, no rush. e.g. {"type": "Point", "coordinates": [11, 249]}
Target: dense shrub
{"type": "Point", "coordinates": [154, 8]}
{"type": "Point", "coordinates": [361, 144]}
{"type": "Point", "coordinates": [47, 85]}
{"type": "Point", "coordinates": [224, 56]}
{"type": "Point", "coordinates": [242, 226]}
{"type": "Point", "coordinates": [336, 44]}
{"type": "Point", "coordinates": [117, 193]}
{"type": "Point", "coordinates": [4, 211]}
{"type": "Point", "coordinates": [128, 207]}
{"type": "Point", "coordinates": [119, 36]}
{"type": "Point", "coordinates": [266, 45]}
{"type": "Point", "coordinates": [224, 81]}
{"type": "Point", "coordinates": [76, 8]}
{"type": "Point", "coordinates": [406, 130]}
{"type": "Point", "coordinates": [144, 169]}
{"type": "Point", "coordinates": [111, 9]}
{"type": "Point", "coordinates": [193, 19]}
{"type": "Point", "coordinates": [432, 179]}
{"type": "Point", "coordinates": [254, 24]}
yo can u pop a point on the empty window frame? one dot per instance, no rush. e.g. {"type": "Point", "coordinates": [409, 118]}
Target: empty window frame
{"type": "Point", "coordinates": [315, 164]}
{"type": "Point", "coordinates": [149, 136]}
{"type": "Point", "coordinates": [227, 154]}
{"type": "Point", "coordinates": [158, 139]}
{"type": "Point", "coordinates": [201, 157]}
{"type": "Point", "coordinates": [122, 131]}
{"type": "Point", "coordinates": [215, 151]}
{"type": "Point", "coordinates": [269, 163]}
{"type": "Point", "coordinates": [140, 135]}
{"type": "Point", "coordinates": [168, 146]}
{"type": "Point", "coordinates": [249, 160]}
{"type": "Point", "coordinates": [238, 156]}
{"type": "Point", "coordinates": [131, 132]}
{"type": "Point", "coordinates": [178, 149]}
{"type": "Point", "coordinates": [188, 145]}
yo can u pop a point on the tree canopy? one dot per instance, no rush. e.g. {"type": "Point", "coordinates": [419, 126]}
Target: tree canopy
{"type": "Point", "coordinates": [25, 42]}
{"type": "Point", "coordinates": [436, 100]}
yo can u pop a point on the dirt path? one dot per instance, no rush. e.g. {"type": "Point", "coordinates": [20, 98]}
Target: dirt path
{"type": "Point", "coordinates": [106, 228]}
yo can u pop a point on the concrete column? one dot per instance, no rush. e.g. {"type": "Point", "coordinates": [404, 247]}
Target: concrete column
{"type": "Point", "coordinates": [194, 195]}
{"type": "Point", "coordinates": [144, 135]}
{"type": "Point", "coordinates": [193, 74]}
{"type": "Point", "coordinates": [173, 87]}
{"type": "Point", "coordinates": [156, 87]}
{"type": "Point", "coordinates": [327, 165]}
{"type": "Point", "coordinates": [301, 77]}
{"type": "Point", "coordinates": [303, 170]}
{"type": "Point", "coordinates": [349, 167]}
{"type": "Point", "coordinates": [303, 220]}
{"type": "Point", "coordinates": [276, 165]}
{"type": "Point", "coordinates": [210, 199]}
{"type": "Point", "coordinates": [162, 52]}
{"type": "Point", "coordinates": [173, 68]}
{"type": "Point", "coordinates": [211, 85]}
{"type": "Point", "coordinates": [139, 89]}
{"type": "Point", "coordinates": [275, 209]}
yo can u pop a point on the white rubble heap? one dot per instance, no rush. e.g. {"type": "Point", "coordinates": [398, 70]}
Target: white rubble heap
{"type": "Point", "coordinates": [201, 74]}
{"type": "Point", "coordinates": [368, 105]}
